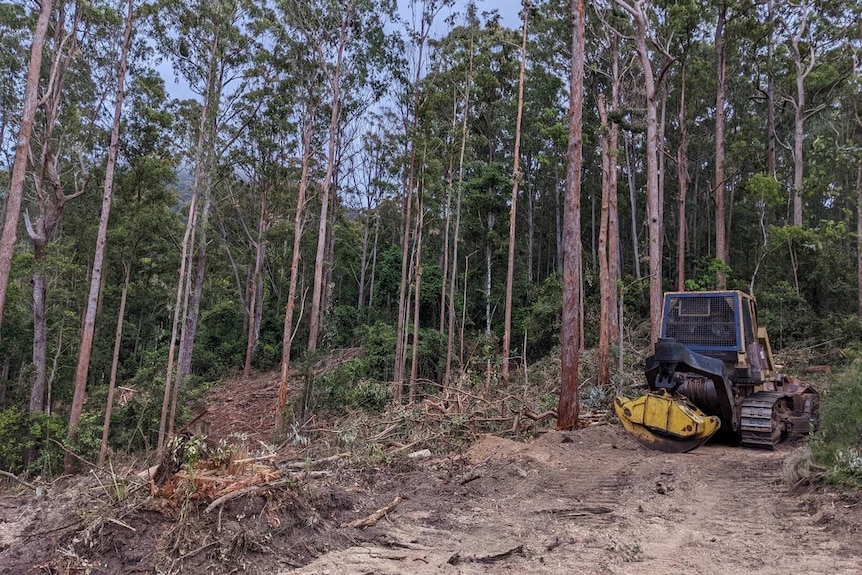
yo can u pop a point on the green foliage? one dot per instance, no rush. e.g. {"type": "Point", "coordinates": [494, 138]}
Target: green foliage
{"type": "Point", "coordinates": [135, 422]}
{"type": "Point", "coordinates": [346, 387]}
{"type": "Point", "coordinates": [36, 437]}
{"type": "Point", "coordinates": [837, 445]}
{"type": "Point", "coordinates": [379, 343]}
{"type": "Point", "coordinates": [543, 322]}
{"type": "Point", "coordinates": [13, 439]}
{"type": "Point", "coordinates": [89, 437]}
{"type": "Point", "coordinates": [785, 313]}
{"type": "Point", "coordinates": [220, 344]}
{"type": "Point", "coordinates": [432, 354]}
{"type": "Point", "coordinates": [821, 293]}
{"type": "Point", "coordinates": [345, 320]}
{"type": "Point", "coordinates": [765, 188]}
{"type": "Point", "coordinates": [707, 271]}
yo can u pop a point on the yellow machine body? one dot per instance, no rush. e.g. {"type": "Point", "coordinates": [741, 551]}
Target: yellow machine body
{"type": "Point", "coordinates": [664, 422]}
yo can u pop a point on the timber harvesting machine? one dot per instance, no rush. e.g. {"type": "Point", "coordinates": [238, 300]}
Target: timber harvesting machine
{"type": "Point", "coordinates": [713, 370]}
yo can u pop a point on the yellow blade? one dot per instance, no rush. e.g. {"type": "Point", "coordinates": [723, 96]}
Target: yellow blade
{"type": "Point", "coordinates": [665, 423]}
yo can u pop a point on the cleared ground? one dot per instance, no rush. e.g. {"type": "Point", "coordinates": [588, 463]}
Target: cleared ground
{"type": "Point", "coordinates": [592, 501]}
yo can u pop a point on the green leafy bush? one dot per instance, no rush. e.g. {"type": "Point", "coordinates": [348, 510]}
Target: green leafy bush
{"type": "Point", "coordinates": [346, 387]}
{"type": "Point", "coordinates": [837, 445]}
{"type": "Point", "coordinates": [31, 442]}
{"type": "Point", "coordinates": [785, 313]}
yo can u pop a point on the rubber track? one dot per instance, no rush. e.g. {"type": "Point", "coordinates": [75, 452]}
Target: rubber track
{"type": "Point", "coordinates": [756, 421]}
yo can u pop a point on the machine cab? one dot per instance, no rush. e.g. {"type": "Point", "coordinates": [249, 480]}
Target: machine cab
{"type": "Point", "coordinates": [723, 325]}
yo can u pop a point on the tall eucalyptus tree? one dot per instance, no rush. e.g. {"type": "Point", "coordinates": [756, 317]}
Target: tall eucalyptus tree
{"type": "Point", "coordinates": [569, 403]}
{"type": "Point", "coordinates": [209, 47]}
{"type": "Point", "coordinates": [86, 345]}
{"type": "Point", "coordinates": [12, 203]}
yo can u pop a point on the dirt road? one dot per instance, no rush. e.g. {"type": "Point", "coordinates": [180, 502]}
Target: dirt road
{"type": "Point", "coordinates": [589, 502]}
{"type": "Point", "coordinates": [596, 502]}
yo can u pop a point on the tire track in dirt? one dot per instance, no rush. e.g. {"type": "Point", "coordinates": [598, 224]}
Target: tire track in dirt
{"type": "Point", "coordinates": [595, 502]}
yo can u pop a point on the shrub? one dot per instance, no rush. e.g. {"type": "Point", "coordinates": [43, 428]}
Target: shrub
{"type": "Point", "coordinates": [346, 387]}
{"type": "Point", "coordinates": [31, 436]}
{"type": "Point", "coordinates": [837, 445]}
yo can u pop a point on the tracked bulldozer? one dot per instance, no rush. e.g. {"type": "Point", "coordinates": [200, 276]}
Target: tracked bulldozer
{"type": "Point", "coordinates": [712, 372]}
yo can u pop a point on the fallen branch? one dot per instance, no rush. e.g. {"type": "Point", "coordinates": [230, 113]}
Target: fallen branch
{"type": "Point", "coordinates": [316, 462]}
{"type": "Point", "coordinates": [254, 459]}
{"type": "Point", "coordinates": [372, 519]}
{"type": "Point", "coordinates": [192, 422]}
{"type": "Point", "coordinates": [291, 478]}
{"type": "Point", "coordinates": [198, 550]}
{"type": "Point", "coordinates": [73, 454]}
{"type": "Point", "coordinates": [552, 414]}
{"type": "Point", "coordinates": [121, 524]}
{"type": "Point", "coordinates": [457, 559]}
{"type": "Point", "coordinates": [471, 477]}
{"type": "Point", "coordinates": [519, 550]}
{"type": "Point", "coordinates": [15, 478]}
{"type": "Point", "coordinates": [232, 495]}
{"type": "Point", "coordinates": [299, 475]}
{"type": "Point", "coordinates": [385, 432]}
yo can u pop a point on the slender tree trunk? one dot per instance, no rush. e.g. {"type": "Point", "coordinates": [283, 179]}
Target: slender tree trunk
{"type": "Point", "coordinates": [189, 292]}
{"type": "Point", "coordinates": [720, 225]}
{"type": "Point", "coordinates": [179, 304]}
{"type": "Point", "coordinates": [86, 345]}
{"type": "Point", "coordinates": [329, 253]}
{"type": "Point", "coordinates": [682, 179]}
{"type": "Point", "coordinates": [630, 173]}
{"type": "Point", "coordinates": [112, 385]}
{"type": "Point", "coordinates": [859, 234]}
{"type": "Point", "coordinates": [298, 219]}
{"type": "Point", "coordinates": [798, 142]}
{"type": "Point", "coordinates": [335, 116]}
{"type": "Point", "coordinates": [194, 294]}
{"type": "Point", "coordinates": [254, 302]}
{"type": "Point", "coordinates": [12, 203]}
{"type": "Point", "coordinates": [594, 232]}
{"type": "Point", "coordinates": [569, 405]}
{"type": "Point", "coordinates": [444, 266]}
{"type": "Point", "coordinates": [453, 280]}
{"type": "Point", "coordinates": [654, 211]}
{"type": "Point", "coordinates": [488, 332]}
{"type": "Point", "coordinates": [463, 311]}
{"type": "Point", "coordinates": [605, 288]}
{"type": "Point", "coordinates": [661, 165]}
{"type": "Point", "coordinates": [582, 339]}
{"type": "Point", "coordinates": [414, 363]}
{"type": "Point", "coordinates": [400, 340]}
{"type": "Point", "coordinates": [770, 94]}
{"type": "Point", "coordinates": [40, 345]}
{"type": "Point", "coordinates": [801, 46]}
{"type": "Point", "coordinates": [363, 259]}
{"type": "Point", "coordinates": [51, 198]}
{"type": "Point", "coordinates": [531, 225]}
{"type": "Point", "coordinates": [453, 277]}
{"type": "Point", "coordinates": [558, 223]}
{"type": "Point", "coordinates": [513, 209]}
{"type": "Point", "coordinates": [614, 260]}
{"type": "Point", "coordinates": [374, 258]}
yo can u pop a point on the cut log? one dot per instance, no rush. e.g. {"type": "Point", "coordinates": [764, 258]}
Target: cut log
{"type": "Point", "coordinates": [374, 517]}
